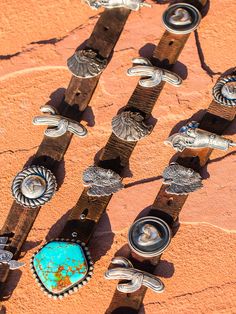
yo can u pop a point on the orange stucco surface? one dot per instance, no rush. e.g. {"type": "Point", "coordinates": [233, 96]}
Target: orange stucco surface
{"type": "Point", "coordinates": [198, 269]}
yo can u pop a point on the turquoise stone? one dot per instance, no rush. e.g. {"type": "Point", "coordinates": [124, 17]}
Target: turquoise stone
{"type": "Point", "coordinates": [60, 265]}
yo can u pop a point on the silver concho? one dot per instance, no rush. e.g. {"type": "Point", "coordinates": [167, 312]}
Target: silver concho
{"type": "Point", "coordinates": [149, 236]}
{"type": "Point", "coordinates": [133, 5]}
{"type": "Point", "coordinates": [101, 182]}
{"type": "Point", "coordinates": [129, 126]}
{"type": "Point", "coordinates": [6, 258]}
{"type": "Point", "coordinates": [181, 180]}
{"type": "Point", "coordinates": [34, 186]}
{"type": "Point", "coordinates": [59, 124]}
{"type": "Point", "coordinates": [151, 75]}
{"type": "Point", "coordinates": [190, 136]}
{"type": "Point", "coordinates": [181, 18]}
{"type": "Point", "coordinates": [224, 91]}
{"type": "Point", "coordinates": [86, 64]}
{"type": "Point", "coordinates": [135, 277]}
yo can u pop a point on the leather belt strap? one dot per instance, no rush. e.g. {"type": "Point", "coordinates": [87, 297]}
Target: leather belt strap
{"type": "Point", "coordinates": [168, 206]}
{"type": "Point", "coordinates": [51, 151]}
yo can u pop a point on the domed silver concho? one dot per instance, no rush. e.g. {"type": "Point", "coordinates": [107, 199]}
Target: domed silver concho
{"type": "Point", "coordinates": [181, 180]}
{"type": "Point", "coordinates": [181, 18]}
{"type": "Point", "coordinates": [86, 63]}
{"type": "Point", "coordinates": [129, 126]}
{"type": "Point", "coordinates": [224, 91]}
{"type": "Point", "coordinates": [101, 182]}
{"type": "Point", "coordinates": [34, 186]}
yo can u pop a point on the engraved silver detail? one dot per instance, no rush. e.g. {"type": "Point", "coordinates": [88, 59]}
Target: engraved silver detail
{"type": "Point", "coordinates": [151, 75]}
{"type": "Point", "coordinates": [101, 182]}
{"type": "Point", "coordinates": [181, 18]}
{"type": "Point", "coordinates": [224, 91]}
{"type": "Point", "coordinates": [3, 242]}
{"type": "Point", "coordinates": [6, 258]}
{"type": "Point", "coordinates": [133, 5]}
{"type": "Point", "coordinates": [136, 278]}
{"type": "Point", "coordinates": [86, 63]}
{"type": "Point", "coordinates": [190, 136]}
{"type": "Point", "coordinates": [129, 126]}
{"type": "Point", "coordinates": [181, 180]}
{"type": "Point", "coordinates": [34, 186]}
{"type": "Point", "coordinates": [59, 123]}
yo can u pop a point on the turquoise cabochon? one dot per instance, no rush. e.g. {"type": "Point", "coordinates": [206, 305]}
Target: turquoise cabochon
{"type": "Point", "coordinates": [60, 265]}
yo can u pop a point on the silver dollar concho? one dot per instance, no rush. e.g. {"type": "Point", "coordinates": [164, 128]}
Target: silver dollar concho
{"type": "Point", "coordinates": [181, 18]}
{"type": "Point", "coordinates": [34, 186]}
{"type": "Point", "coordinates": [149, 236]}
{"type": "Point", "coordinates": [59, 124]}
{"type": "Point", "coordinates": [181, 180]}
{"type": "Point", "coordinates": [86, 63]}
{"type": "Point", "coordinates": [136, 278]}
{"type": "Point", "coordinates": [130, 126]}
{"type": "Point", "coordinates": [224, 91]}
{"type": "Point", "coordinates": [190, 136]}
{"type": "Point", "coordinates": [101, 182]}
{"type": "Point", "coordinates": [133, 5]}
{"type": "Point", "coordinates": [6, 256]}
{"type": "Point", "coordinates": [152, 76]}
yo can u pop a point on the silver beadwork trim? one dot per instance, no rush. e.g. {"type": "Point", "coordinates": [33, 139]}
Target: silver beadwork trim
{"type": "Point", "coordinates": [181, 18]}
{"type": "Point", "coordinates": [136, 278]}
{"type": "Point", "coordinates": [43, 173]}
{"type": "Point", "coordinates": [217, 91]}
{"type": "Point", "coordinates": [74, 288]}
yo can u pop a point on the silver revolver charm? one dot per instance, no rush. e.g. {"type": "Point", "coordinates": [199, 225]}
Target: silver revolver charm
{"type": "Point", "coordinates": [133, 5]}
{"type": "Point", "coordinates": [6, 256]}
{"type": "Point", "coordinates": [136, 278]}
{"type": "Point", "coordinates": [59, 123]}
{"type": "Point", "coordinates": [190, 136]}
{"type": "Point", "coordinates": [150, 75]}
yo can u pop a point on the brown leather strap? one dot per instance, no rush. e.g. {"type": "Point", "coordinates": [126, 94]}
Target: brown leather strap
{"type": "Point", "coordinates": [168, 205]}
{"type": "Point", "coordinates": [51, 151]}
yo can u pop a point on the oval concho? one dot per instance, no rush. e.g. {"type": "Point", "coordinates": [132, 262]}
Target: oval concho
{"type": "Point", "coordinates": [61, 267]}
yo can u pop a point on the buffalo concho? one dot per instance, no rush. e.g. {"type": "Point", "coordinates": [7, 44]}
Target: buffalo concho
{"type": "Point", "coordinates": [61, 267]}
{"type": "Point", "coordinates": [133, 5]}
{"type": "Point", "coordinates": [181, 180]}
{"type": "Point", "coordinates": [34, 186]}
{"type": "Point", "coordinates": [86, 63]}
{"type": "Point", "coordinates": [129, 126]}
{"type": "Point", "coordinates": [101, 182]}
{"type": "Point", "coordinates": [224, 91]}
{"type": "Point", "coordinates": [190, 136]}
{"type": "Point", "coordinates": [135, 277]}
{"type": "Point", "coordinates": [6, 258]}
{"type": "Point", "coordinates": [181, 18]}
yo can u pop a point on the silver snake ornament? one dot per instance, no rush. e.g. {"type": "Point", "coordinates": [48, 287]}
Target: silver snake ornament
{"type": "Point", "coordinates": [133, 5]}
{"type": "Point", "coordinates": [136, 278]}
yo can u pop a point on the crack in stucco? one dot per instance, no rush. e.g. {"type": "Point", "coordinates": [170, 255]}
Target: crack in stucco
{"type": "Point", "coordinates": [10, 151]}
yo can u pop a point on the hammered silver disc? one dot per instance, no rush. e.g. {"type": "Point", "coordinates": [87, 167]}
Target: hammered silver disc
{"type": "Point", "coordinates": [224, 91]}
{"type": "Point", "coordinates": [181, 180]}
{"type": "Point", "coordinates": [34, 186]}
{"type": "Point", "coordinates": [129, 126]}
{"type": "Point", "coordinates": [86, 63]}
{"type": "Point", "coordinates": [101, 182]}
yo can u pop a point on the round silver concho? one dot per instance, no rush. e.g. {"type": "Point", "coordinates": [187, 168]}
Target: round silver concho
{"type": "Point", "coordinates": [181, 18]}
{"type": "Point", "coordinates": [34, 186]}
{"type": "Point", "coordinates": [224, 91]}
{"type": "Point", "coordinates": [149, 236]}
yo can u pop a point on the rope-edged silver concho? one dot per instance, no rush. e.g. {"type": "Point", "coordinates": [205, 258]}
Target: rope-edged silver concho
{"type": "Point", "coordinates": [86, 63]}
{"type": "Point", "coordinates": [101, 182]}
{"type": "Point", "coordinates": [152, 76]}
{"type": "Point", "coordinates": [181, 180]}
{"type": "Point", "coordinates": [34, 186]}
{"type": "Point", "coordinates": [130, 126]}
{"type": "Point", "coordinates": [135, 278]}
{"type": "Point", "coordinates": [224, 91]}
{"type": "Point", "coordinates": [181, 18]}
{"type": "Point", "coordinates": [133, 5]}
{"type": "Point", "coordinates": [58, 124]}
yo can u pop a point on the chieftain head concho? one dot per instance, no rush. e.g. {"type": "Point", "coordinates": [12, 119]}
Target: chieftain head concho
{"type": "Point", "coordinates": [101, 182]}
{"type": "Point", "coordinates": [129, 126]}
{"type": "Point", "coordinates": [224, 91]}
{"type": "Point", "coordinates": [86, 63]}
{"type": "Point", "coordinates": [181, 180]}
